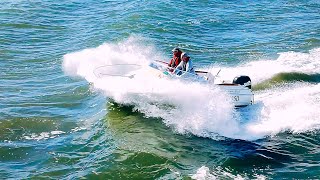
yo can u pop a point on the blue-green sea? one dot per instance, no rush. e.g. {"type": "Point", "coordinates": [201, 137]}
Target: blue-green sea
{"type": "Point", "coordinates": [60, 120]}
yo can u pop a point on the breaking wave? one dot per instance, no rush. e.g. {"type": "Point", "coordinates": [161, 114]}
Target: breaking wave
{"type": "Point", "coordinates": [201, 109]}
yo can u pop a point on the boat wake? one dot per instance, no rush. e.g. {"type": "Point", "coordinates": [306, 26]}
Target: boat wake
{"type": "Point", "coordinates": [283, 78]}
{"type": "Point", "coordinates": [201, 109]}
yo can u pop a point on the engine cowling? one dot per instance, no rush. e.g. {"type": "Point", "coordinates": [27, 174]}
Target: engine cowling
{"type": "Point", "coordinates": [243, 80]}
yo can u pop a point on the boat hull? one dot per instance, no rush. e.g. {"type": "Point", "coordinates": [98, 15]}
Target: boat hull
{"type": "Point", "coordinates": [241, 96]}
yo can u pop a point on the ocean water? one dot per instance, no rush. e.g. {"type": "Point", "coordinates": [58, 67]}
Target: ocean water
{"type": "Point", "coordinates": [60, 120]}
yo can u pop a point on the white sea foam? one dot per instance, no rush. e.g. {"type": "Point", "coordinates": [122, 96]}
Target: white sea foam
{"type": "Point", "coordinates": [202, 110]}
{"type": "Point", "coordinates": [43, 135]}
{"type": "Point", "coordinates": [263, 69]}
{"type": "Point", "coordinates": [204, 173]}
{"type": "Point", "coordinates": [291, 108]}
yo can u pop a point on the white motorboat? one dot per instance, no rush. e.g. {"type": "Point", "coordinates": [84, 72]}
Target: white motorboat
{"type": "Point", "coordinates": [239, 89]}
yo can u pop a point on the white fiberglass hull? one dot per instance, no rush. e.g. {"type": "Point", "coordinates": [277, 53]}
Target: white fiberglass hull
{"type": "Point", "coordinates": [240, 95]}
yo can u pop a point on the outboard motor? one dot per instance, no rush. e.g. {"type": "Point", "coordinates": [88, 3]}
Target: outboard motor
{"type": "Point", "coordinates": [242, 80]}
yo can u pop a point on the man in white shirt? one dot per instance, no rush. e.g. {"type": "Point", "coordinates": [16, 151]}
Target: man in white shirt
{"type": "Point", "coordinates": [185, 66]}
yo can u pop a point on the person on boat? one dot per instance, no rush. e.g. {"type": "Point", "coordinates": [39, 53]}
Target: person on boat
{"type": "Point", "coordinates": [176, 59]}
{"type": "Point", "coordinates": [185, 67]}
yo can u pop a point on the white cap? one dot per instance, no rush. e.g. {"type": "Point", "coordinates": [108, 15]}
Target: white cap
{"type": "Point", "coordinates": [184, 54]}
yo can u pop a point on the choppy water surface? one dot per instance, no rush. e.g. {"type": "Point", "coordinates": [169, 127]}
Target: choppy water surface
{"type": "Point", "coordinates": [59, 120]}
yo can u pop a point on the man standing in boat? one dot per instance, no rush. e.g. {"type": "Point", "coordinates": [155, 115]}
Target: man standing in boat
{"type": "Point", "coordinates": [185, 66]}
{"type": "Point", "coordinates": [176, 59]}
